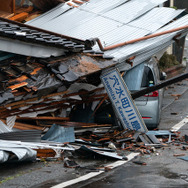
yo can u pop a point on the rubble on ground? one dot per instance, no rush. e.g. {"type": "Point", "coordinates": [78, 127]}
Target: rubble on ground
{"type": "Point", "coordinates": [49, 98]}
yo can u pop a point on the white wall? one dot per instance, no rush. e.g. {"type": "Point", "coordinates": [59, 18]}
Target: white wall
{"type": "Point", "coordinates": [171, 3]}
{"type": "Point", "coordinates": [185, 54]}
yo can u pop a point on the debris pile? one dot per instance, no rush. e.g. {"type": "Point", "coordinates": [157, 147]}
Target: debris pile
{"type": "Point", "coordinates": [84, 140]}
{"type": "Point", "coordinates": [46, 111]}
{"type": "Point", "coordinates": [51, 94]}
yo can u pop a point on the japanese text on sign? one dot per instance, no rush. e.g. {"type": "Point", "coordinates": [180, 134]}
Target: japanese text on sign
{"type": "Point", "coordinates": [122, 101]}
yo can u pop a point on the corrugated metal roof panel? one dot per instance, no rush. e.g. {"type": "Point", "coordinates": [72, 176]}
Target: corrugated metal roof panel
{"type": "Point", "coordinates": [63, 21]}
{"type": "Point", "coordinates": [147, 45]}
{"type": "Point", "coordinates": [68, 21]}
{"type": "Point", "coordinates": [94, 28]}
{"type": "Point", "coordinates": [183, 21]}
{"type": "Point", "coordinates": [21, 152]}
{"type": "Point", "coordinates": [106, 20]}
{"type": "Point", "coordinates": [123, 33]}
{"type": "Point", "coordinates": [131, 10]}
{"type": "Point", "coordinates": [51, 14]}
{"type": "Point", "coordinates": [75, 20]}
{"type": "Point", "coordinates": [91, 7]}
{"type": "Point", "coordinates": [155, 18]}
{"type": "Point", "coordinates": [146, 55]}
{"type": "Point", "coordinates": [101, 6]}
{"type": "Point", "coordinates": [24, 135]}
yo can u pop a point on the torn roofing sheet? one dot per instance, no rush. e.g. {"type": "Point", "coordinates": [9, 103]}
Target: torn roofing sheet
{"type": "Point", "coordinates": [57, 133]}
{"type": "Point", "coordinates": [155, 18]}
{"type": "Point", "coordinates": [25, 151]}
{"type": "Point", "coordinates": [89, 152]}
{"type": "Point", "coordinates": [21, 153]}
{"type": "Point", "coordinates": [24, 135]}
{"type": "Point", "coordinates": [3, 128]}
{"type": "Point", "coordinates": [95, 19]}
{"type": "Point", "coordinates": [92, 9]}
{"type": "Point", "coordinates": [108, 21]}
{"type": "Point", "coordinates": [40, 145]}
{"type": "Point", "coordinates": [150, 45]}
{"type": "Point", "coordinates": [97, 6]}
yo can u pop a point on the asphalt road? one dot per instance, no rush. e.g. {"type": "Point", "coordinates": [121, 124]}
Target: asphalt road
{"type": "Point", "coordinates": [162, 169]}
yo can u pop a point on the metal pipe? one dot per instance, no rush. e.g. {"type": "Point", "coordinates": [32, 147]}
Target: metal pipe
{"type": "Point", "coordinates": [139, 39]}
{"type": "Point", "coordinates": [159, 86]}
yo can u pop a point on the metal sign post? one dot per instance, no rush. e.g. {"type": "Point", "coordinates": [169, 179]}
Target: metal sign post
{"type": "Point", "coordinates": [122, 101]}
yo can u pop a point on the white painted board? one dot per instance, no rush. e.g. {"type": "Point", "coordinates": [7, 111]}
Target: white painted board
{"type": "Point", "coordinates": [122, 101]}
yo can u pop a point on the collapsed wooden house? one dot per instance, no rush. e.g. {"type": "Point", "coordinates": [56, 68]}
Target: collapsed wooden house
{"type": "Point", "coordinates": [53, 63]}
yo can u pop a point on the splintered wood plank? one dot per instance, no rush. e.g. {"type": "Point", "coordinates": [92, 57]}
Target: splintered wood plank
{"type": "Point", "coordinates": [75, 124]}
{"type": "Point", "coordinates": [32, 16]}
{"type": "Point", "coordinates": [20, 17]}
{"type": "Point", "coordinates": [64, 93]}
{"type": "Point", "coordinates": [34, 99]}
{"type": "Point", "coordinates": [16, 86]}
{"type": "Point", "coordinates": [44, 153]}
{"type": "Point", "coordinates": [44, 118]}
{"type": "Point", "coordinates": [6, 14]}
{"type": "Point", "coordinates": [23, 126]}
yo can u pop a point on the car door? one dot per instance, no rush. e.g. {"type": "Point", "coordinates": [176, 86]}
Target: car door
{"type": "Point", "coordinates": [156, 72]}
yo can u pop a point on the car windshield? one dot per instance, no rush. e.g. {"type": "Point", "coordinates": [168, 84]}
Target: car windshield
{"type": "Point", "coordinates": [147, 79]}
{"type": "Point", "coordinates": [140, 76]}
{"type": "Point", "coordinates": [133, 77]}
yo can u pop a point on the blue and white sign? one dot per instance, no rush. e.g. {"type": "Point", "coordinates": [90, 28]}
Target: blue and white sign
{"type": "Point", "coordinates": [122, 101]}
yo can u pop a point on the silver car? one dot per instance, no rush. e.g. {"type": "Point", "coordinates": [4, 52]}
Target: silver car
{"type": "Point", "coordinates": [149, 106]}
{"type": "Point", "coordinates": [145, 75]}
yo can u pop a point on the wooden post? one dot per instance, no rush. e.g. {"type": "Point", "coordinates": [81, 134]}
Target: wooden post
{"type": "Point", "coordinates": [13, 6]}
{"type": "Point", "coordinates": [7, 6]}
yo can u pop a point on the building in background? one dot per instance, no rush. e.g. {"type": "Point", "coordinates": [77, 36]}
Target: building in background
{"type": "Point", "coordinates": [180, 48]}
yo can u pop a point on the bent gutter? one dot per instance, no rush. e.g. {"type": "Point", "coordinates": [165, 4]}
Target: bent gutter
{"type": "Point", "coordinates": [134, 40]}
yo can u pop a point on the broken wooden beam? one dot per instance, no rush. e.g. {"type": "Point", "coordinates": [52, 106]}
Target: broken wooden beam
{"type": "Point", "coordinates": [44, 118]}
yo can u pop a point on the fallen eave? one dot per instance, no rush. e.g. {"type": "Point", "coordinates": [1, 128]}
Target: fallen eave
{"type": "Point", "coordinates": [29, 49]}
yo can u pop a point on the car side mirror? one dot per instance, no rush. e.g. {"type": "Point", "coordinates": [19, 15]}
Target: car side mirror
{"type": "Point", "coordinates": [163, 76]}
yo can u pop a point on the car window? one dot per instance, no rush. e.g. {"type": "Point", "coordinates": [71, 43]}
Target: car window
{"type": "Point", "coordinates": [133, 77]}
{"type": "Point", "coordinates": [148, 78]}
